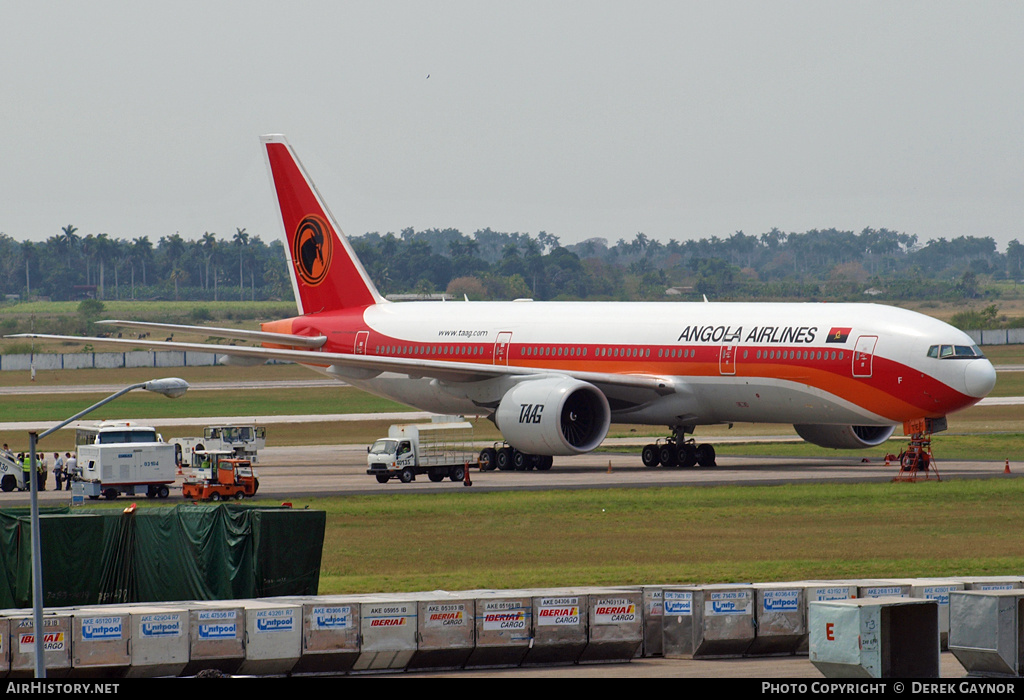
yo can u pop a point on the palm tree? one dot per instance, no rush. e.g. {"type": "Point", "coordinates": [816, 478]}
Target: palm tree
{"type": "Point", "coordinates": [103, 246]}
{"type": "Point", "coordinates": [69, 241]}
{"type": "Point", "coordinates": [172, 250]}
{"type": "Point", "coordinates": [241, 239]}
{"type": "Point", "coordinates": [209, 245]}
{"type": "Point", "coordinates": [142, 248]}
{"type": "Point", "coordinates": [86, 246]}
{"type": "Point", "coordinates": [28, 252]}
{"type": "Point", "coordinates": [177, 274]}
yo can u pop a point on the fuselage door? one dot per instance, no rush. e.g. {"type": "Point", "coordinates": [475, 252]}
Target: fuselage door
{"type": "Point", "coordinates": [361, 338]}
{"type": "Point", "coordinates": [863, 354]}
{"type": "Point", "coordinates": [727, 359]}
{"type": "Point", "coordinates": [501, 348]}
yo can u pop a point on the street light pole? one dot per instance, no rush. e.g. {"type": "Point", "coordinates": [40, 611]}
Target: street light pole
{"type": "Point", "coordinates": [171, 387]}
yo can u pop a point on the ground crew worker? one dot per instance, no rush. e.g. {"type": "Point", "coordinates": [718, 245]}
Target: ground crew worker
{"type": "Point", "coordinates": [26, 469]}
{"type": "Point", "coordinates": [41, 472]}
{"type": "Point", "coordinates": [70, 469]}
{"type": "Point", "coordinates": [58, 470]}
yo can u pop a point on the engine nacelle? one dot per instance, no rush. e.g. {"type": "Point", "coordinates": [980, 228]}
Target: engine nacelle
{"type": "Point", "coordinates": [553, 416]}
{"type": "Point", "coordinates": [845, 437]}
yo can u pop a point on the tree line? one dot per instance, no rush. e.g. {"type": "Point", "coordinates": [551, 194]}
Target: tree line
{"type": "Point", "coordinates": [820, 264]}
{"type": "Point", "coordinates": [69, 266]}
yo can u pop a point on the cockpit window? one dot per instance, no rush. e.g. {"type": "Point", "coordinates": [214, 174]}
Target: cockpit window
{"type": "Point", "coordinates": [955, 352]}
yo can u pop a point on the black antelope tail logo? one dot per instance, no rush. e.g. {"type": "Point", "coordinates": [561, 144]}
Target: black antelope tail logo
{"type": "Point", "coordinates": [312, 249]}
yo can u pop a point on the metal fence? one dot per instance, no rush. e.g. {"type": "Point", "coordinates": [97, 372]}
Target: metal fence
{"type": "Point", "coordinates": [1003, 336]}
{"type": "Point", "coordinates": [108, 360]}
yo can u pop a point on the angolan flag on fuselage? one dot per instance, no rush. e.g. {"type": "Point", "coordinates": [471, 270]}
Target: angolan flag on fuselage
{"type": "Point", "coordinates": [838, 335]}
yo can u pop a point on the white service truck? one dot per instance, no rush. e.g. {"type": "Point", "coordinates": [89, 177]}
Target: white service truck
{"type": "Point", "coordinates": [12, 476]}
{"type": "Point", "coordinates": [439, 449]}
{"type": "Point", "coordinates": [118, 457]}
{"type": "Point", "coordinates": [244, 441]}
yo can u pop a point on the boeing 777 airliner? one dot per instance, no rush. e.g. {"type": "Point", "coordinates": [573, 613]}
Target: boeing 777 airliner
{"type": "Point", "coordinates": [554, 375]}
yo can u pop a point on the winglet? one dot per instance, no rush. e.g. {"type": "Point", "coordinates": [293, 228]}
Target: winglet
{"type": "Point", "coordinates": [325, 272]}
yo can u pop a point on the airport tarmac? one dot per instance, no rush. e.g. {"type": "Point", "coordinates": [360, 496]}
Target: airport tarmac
{"type": "Point", "coordinates": [325, 470]}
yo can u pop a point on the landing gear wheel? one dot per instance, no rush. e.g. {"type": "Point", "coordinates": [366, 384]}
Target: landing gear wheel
{"type": "Point", "coordinates": [520, 460]}
{"type": "Point", "coordinates": [687, 456]}
{"type": "Point", "coordinates": [504, 460]}
{"type": "Point", "coordinates": [649, 456]}
{"type": "Point", "coordinates": [488, 459]}
{"type": "Point", "coordinates": [706, 455]}
{"type": "Point", "coordinates": [406, 475]}
{"type": "Point", "coordinates": [667, 455]}
{"type": "Point", "coordinates": [544, 463]}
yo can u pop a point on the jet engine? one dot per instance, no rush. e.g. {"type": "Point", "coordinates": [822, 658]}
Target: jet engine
{"type": "Point", "coordinates": [845, 437]}
{"type": "Point", "coordinates": [553, 416]}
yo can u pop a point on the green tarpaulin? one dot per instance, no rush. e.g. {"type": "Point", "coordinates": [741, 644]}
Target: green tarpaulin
{"type": "Point", "coordinates": [189, 552]}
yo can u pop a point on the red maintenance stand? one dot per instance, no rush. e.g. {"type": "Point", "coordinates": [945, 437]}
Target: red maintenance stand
{"type": "Point", "coordinates": [917, 462]}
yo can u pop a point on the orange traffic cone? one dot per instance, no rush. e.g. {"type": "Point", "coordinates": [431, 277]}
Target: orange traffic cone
{"type": "Point", "coordinates": [1007, 470]}
{"type": "Point", "coordinates": [465, 474]}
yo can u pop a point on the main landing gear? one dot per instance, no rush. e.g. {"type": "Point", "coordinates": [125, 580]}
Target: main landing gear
{"type": "Point", "coordinates": [507, 458]}
{"type": "Point", "coordinates": [678, 451]}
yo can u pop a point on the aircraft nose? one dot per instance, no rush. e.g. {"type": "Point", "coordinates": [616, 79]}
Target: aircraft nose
{"type": "Point", "coordinates": [979, 377]}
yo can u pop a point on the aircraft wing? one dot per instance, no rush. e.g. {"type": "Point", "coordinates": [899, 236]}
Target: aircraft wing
{"type": "Point", "coordinates": [365, 365]}
{"type": "Point", "coordinates": [233, 333]}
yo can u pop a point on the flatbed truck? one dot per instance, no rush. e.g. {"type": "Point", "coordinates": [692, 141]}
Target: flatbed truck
{"type": "Point", "coordinates": [441, 449]}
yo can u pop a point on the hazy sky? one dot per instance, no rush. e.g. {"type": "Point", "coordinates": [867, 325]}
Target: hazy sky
{"type": "Point", "coordinates": [678, 119]}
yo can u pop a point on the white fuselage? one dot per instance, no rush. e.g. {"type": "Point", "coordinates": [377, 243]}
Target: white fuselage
{"type": "Point", "coordinates": [727, 362]}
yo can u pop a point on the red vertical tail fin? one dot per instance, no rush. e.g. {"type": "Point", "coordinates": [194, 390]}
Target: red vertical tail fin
{"type": "Point", "coordinates": [326, 274]}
